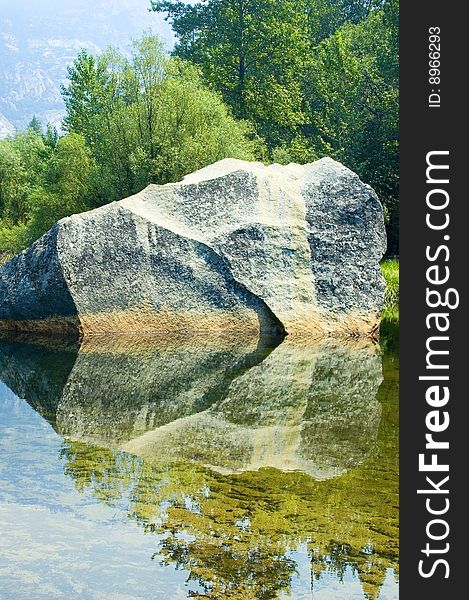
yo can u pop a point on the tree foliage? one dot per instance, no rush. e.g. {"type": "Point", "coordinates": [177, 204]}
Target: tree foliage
{"type": "Point", "coordinates": [250, 50]}
{"type": "Point", "coordinates": [148, 118]}
{"type": "Point", "coordinates": [39, 184]}
{"type": "Point", "coordinates": [353, 99]}
{"type": "Point", "coordinates": [131, 120]}
{"type": "Point", "coordinates": [289, 80]}
{"type": "Point", "coordinates": [315, 77]}
{"type": "Point", "coordinates": [256, 52]}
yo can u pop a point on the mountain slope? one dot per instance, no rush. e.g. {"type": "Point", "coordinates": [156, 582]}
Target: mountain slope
{"type": "Point", "coordinates": [6, 128]}
{"type": "Point", "coordinates": [39, 39]}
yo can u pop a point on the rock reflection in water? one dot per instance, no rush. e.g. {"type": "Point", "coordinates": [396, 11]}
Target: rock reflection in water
{"type": "Point", "coordinates": [308, 406]}
{"type": "Point", "coordinates": [233, 405]}
{"type": "Point", "coordinates": [113, 389]}
{"type": "Point", "coordinates": [240, 531]}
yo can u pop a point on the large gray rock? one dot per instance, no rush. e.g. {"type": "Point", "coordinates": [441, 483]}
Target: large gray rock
{"type": "Point", "coordinates": [235, 246]}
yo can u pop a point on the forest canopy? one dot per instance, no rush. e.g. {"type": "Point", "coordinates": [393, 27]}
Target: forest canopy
{"type": "Point", "coordinates": [314, 77]}
{"type": "Point", "coordinates": [269, 80]}
{"type": "Point", "coordinates": [130, 122]}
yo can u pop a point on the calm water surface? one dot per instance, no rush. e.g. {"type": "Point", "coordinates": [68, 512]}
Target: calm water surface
{"type": "Point", "coordinates": [199, 468]}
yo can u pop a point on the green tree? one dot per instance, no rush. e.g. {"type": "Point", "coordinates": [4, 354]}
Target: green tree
{"type": "Point", "coordinates": [315, 77]}
{"type": "Point", "coordinates": [327, 16]}
{"type": "Point", "coordinates": [41, 181]}
{"type": "Point", "coordinates": [13, 180]}
{"type": "Point", "coordinates": [353, 98]}
{"type": "Point", "coordinates": [130, 121]}
{"type": "Point", "coordinates": [256, 51]}
{"type": "Point", "coordinates": [35, 125]}
{"type": "Point", "coordinates": [51, 136]}
{"type": "Point", "coordinates": [23, 160]}
{"type": "Point", "coordinates": [22, 163]}
{"type": "Point", "coordinates": [252, 51]}
{"type": "Point", "coordinates": [65, 186]}
{"type": "Point", "coordinates": [148, 119]}
{"type": "Point", "coordinates": [84, 95]}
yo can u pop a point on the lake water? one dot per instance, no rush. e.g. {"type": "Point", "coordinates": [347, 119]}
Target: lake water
{"type": "Point", "coordinates": [179, 468]}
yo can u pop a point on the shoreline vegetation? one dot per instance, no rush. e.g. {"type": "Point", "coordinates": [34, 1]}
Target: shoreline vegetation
{"type": "Point", "coordinates": [390, 271]}
{"type": "Point", "coordinates": [269, 83]}
{"type": "Point", "coordinates": [264, 465]}
{"type": "Point", "coordinates": [390, 316]}
{"type": "Point", "coordinates": [277, 83]}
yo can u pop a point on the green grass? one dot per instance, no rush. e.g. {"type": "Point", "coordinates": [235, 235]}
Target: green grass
{"type": "Point", "coordinates": [390, 271]}
{"type": "Point", "coordinates": [390, 314]}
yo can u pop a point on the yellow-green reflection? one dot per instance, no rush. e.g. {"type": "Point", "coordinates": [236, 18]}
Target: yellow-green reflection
{"type": "Point", "coordinates": [203, 426]}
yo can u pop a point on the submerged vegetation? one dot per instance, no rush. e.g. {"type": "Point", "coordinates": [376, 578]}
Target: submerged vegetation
{"type": "Point", "coordinates": [243, 534]}
{"type": "Point", "coordinates": [257, 80]}
{"type": "Point", "coordinates": [236, 534]}
{"type": "Point", "coordinates": [250, 79]}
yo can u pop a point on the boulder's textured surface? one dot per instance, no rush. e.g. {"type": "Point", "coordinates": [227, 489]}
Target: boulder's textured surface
{"type": "Point", "coordinates": [234, 246]}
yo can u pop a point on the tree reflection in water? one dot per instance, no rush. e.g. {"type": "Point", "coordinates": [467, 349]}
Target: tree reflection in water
{"type": "Point", "coordinates": [238, 453]}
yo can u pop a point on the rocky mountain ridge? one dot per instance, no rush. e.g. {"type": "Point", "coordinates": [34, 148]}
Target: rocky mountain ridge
{"type": "Point", "coordinates": [39, 40]}
{"type": "Point", "coordinates": [6, 128]}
